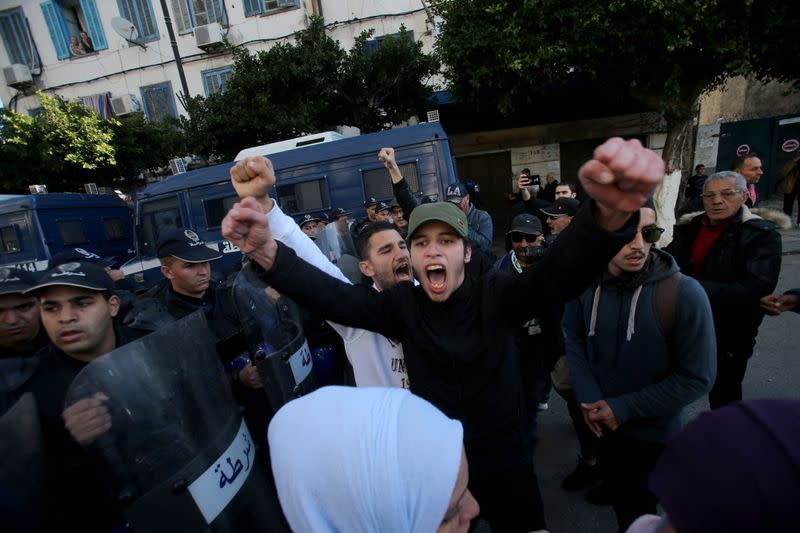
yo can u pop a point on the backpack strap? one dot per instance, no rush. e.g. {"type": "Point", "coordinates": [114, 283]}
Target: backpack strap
{"type": "Point", "coordinates": [667, 303]}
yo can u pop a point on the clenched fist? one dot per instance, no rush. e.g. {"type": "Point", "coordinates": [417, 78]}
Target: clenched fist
{"type": "Point", "coordinates": [253, 176]}
{"type": "Point", "coordinates": [621, 176]}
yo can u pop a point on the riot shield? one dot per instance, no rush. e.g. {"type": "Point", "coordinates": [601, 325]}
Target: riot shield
{"type": "Point", "coordinates": [337, 245]}
{"type": "Point", "coordinates": [178, 454]}
{"type": "Point", "coordinates": [275, 340]}
{"type": "Point", "coordinates": [22, 468]}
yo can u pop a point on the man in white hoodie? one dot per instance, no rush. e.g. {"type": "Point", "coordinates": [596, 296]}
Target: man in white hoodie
{"type": "Point", "coordinates": [376, 360]}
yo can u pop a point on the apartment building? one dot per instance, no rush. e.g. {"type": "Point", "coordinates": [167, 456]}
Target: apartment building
{"type": "Point", "coordinates": [116, 55]}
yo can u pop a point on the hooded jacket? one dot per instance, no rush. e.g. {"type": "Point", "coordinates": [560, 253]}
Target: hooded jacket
{"type": "Point", "coordinates": [617, 350]}
{"type": "Point", "coordinates": [741, 266]}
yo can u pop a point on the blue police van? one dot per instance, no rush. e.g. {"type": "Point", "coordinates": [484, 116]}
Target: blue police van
{"type": "Point", "coordinates": [35, 227]}
{"type": "Point", "coordinates": [322, 173]}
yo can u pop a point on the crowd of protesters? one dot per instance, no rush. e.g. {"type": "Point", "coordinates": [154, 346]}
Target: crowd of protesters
{"type": "Point", "coordinates": [439, 354]}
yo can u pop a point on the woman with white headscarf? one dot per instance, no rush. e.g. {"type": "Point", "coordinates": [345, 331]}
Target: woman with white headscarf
{"type": "Point", "coordinates": [370, 459]}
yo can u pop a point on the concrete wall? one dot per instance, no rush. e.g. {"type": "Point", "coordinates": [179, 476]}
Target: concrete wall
{"type": "Point", "coordinates": [742, 99]}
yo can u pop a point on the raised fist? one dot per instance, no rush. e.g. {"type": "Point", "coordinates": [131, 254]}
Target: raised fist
{"type": "Point", "coordinates": [253, 176]}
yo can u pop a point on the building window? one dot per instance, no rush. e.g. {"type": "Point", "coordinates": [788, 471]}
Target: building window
{"type": "Point", "coordinates": [71, 231]}
{"type": "Point", "coordinates": [189, 14]}
{"type": "Point", "coordinates": [74, 27]}
{"type": "Point", "coordinates": [9, 239]}
{"type": "Point", "coordinates": [140, 14]}
{"type": "Point", "coordinates": [305, 196]}
{"type": "Point", "coordinates": [216, 209]}
{"type": "Point", "coordinates": [158, 101]}
{"type": "Point", "coordinates": [114, 229]}
{"type": "Point", "coordinates": [372, 44]}
{"type": "Point", "coordinates": [17, 39]}
{"type": "Point", "coordinates": [257, 7]}
{"type": "Point", "coordinates": [378, 183]}
{"type": "Point", "coordinates": [214, 80]}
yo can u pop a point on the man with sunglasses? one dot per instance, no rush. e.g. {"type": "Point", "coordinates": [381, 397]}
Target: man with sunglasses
{"type": "Point", "coordinates": [539, 337]}
{"type": "Point", "coordinates": [640, 347]}
{"type": "Point", "coordinates": [736, 256]}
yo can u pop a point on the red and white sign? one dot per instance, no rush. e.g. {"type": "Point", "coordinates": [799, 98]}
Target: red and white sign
{"type": "Point", "coordinates": [790, 145]}
{"type": "Point", "coordinates": [743, 149]}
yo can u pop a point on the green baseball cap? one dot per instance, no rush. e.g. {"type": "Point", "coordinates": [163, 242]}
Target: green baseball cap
{"type": "Point", "coordinates": [446, 212]}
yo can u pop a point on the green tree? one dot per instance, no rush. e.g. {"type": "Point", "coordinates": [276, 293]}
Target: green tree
{"type": "Point", "coordinates": [142, 145]}
{"type": "Point", "coordinates": [665, 53]}
{"type": "Point", "coordinates": [310, 85]}
{"type": "Point", "coordinates": [21, 159]}
{"type": "Point", "coordinates": [63, 146]}
{"type": "Point", "coordinates": [68, 144]}
{"type": "Point", "coordinates": [388, 85]}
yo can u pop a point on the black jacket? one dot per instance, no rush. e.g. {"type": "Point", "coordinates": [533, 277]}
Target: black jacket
{"type": "Point", "coordinates": [461, 354]}
{"type": "Point", "coordinates": [741, 266]}
{"type": "Point", "coordinates": [78, 495]}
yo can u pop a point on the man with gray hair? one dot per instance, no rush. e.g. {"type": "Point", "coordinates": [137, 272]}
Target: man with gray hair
{"type": "Point", "coordinates": [736, 256]}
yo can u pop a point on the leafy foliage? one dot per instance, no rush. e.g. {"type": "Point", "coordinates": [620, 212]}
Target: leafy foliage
{"type": "Point", "coordinates": [310, 85]}
{"type": "Point", "coordinates": [288, 90]}
{"type": "Point", "coordinates": [68, 144]}
{"type": "Point", "coordinates": [663, 52]}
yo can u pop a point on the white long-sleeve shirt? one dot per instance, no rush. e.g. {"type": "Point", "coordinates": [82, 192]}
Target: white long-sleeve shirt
{"type": "Point", "coordinates": [376, 360]}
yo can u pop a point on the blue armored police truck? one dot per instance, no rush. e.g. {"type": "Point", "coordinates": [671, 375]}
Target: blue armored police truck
{"type": "Point", "coordinates": [35, 227]}
{"type": "Point", "coordinates": [314, 174]}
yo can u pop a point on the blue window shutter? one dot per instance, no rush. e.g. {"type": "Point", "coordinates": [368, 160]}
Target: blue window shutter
{"type": "Point", "coordinates": [95, 27]}
{"type": "Point", "coordinates": [253, 7]}
{"type": "Point", "coordinates": [158, 101]}
{"type": "Point", "coordinates": [140, 13]}
{"type": "Point", "coordinates": [57, 28]}
{"type": "Point", "coordinates": [214, 80]}
{"type": "Point", "coordinates": [17, 38]}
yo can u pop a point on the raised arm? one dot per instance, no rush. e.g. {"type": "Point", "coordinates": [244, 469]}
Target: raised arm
{"type": "Point", "coordinates": [399, 185]}
{"type": "Point", "coordinates": [254, 176]}
{"type": "Point", "coordinates": [619, 179]}
{"type": "Point", "coordinates": [247, 227]}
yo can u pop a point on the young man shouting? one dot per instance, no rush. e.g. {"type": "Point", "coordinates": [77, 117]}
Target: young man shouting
{"type": "Point", "coordinates": [457, 331]}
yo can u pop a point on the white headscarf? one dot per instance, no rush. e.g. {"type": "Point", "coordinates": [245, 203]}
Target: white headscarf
{"type": "Point", "coordinates": [364, 460]}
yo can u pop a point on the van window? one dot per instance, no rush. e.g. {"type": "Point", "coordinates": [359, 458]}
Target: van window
{"type": "Point", "coordinates": [216, 209]}
{"type": "Point", "coordinates": [10, 241]}
{"type": "Point", "coordinates": [378, 184]}
{"type": "Point", "coordinates": [156, 217]}
{"type": "Point", "coordinates": [305, 196]}
{"type": "Point", "coordinates": [71, 231]}
{"type": "Point", "coordinates": [114, 229]}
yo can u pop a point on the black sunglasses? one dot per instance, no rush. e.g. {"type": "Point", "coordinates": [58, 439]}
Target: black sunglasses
{"type": "Point", "coordinates": [517, 236]}
{"type": "Point", "coordinates": [651, 234]}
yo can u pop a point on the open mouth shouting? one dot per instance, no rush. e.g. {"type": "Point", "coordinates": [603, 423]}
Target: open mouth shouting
{"type": "Point", "coordinates": [402, 271]}
{"type": "Point", "coordinates": [437, 278]}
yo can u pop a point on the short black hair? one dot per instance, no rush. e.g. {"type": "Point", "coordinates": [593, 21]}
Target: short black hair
{"type": "Point", "coordinates": [698, 167]}
{"type": "Point", "coordinates": [366, 233]}
{"type": "Point", "coordinates": [739, 161]}
{"type": "Point", "coordinates": [570, 185]}
{"type": "Point", "coordinates": [526, 171]}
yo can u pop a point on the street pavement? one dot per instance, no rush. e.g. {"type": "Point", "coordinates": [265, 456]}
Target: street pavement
{"type": "Point", "coordinates": [773, 371]}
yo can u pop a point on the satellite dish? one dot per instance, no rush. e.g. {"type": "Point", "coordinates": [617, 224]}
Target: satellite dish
{"type": "Point", "coordinates": [126, 30]}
